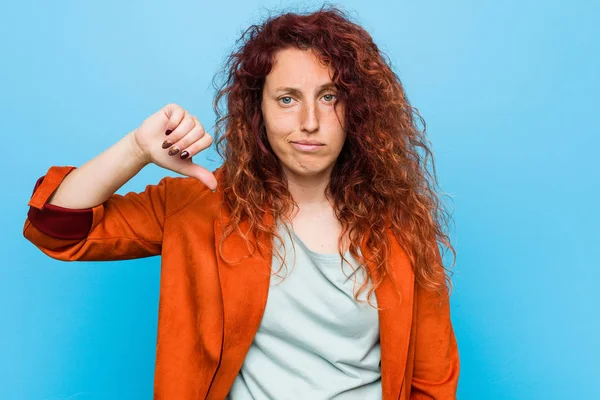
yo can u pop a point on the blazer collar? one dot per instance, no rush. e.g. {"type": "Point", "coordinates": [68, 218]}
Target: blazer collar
{"type": "Point", "coordinates": [245, 287]}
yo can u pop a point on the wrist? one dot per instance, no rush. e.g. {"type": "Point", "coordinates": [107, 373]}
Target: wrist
{"type": "Point", "coordinates": [135, 150]}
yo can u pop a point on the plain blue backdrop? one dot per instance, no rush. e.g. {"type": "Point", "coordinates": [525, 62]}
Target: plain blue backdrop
{"type": "Point", "coordinates": [509, 91]}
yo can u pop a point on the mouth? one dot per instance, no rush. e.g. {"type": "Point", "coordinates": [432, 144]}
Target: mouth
{"type": "Point", "coordinates": [309, 143]}
{"type": "Point", "coordinates": [307, 146]}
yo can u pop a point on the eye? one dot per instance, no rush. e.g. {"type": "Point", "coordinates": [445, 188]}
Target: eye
{"type": "Point", "coordinates": [286, 102]}
{"type": "Point", "coordinates": [331, 97]}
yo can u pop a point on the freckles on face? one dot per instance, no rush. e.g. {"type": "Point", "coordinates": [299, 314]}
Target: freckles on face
{"type": "Point", "coordinates": [303, 127]}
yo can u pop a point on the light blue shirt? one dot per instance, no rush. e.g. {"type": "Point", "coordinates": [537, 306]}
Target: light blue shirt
{"type": "Point", "coordinates": [315, 341]}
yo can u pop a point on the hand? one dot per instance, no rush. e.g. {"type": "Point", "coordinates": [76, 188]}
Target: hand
{"type": "Point", "coordinates": [186, 135]}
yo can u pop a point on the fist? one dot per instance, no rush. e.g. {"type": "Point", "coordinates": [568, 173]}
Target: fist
{"type": "Point", "coordinates": [170, 138]}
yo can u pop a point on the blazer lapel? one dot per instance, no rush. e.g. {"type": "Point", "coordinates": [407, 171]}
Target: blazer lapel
{"type": "Point", "coordinates": [244, 290]}
{"type": "Point", "coordinates": [395, 319]}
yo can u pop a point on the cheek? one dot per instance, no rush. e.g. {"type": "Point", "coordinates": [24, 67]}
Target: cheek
{"type": "Point", "coordinates": [278, 129]}
{"type": "Point", "coordinates": [276, 136]}
{"type": "Point", "coordinates": [281, 123]}
{"type": "Point", "coordinates": [335, 126]}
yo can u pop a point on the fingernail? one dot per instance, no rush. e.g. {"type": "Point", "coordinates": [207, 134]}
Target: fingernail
{"type": "Point", "coordinates": [166, 144]}
{"type": "Point", "coordinates": [173, 151]}
{"type": "Point", "coordinates": [168, 132]}
{"type": "Point", "coordinates": [184, 154]}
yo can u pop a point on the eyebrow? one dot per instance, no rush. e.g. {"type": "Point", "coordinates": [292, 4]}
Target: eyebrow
{"type": "Point", "coordinates": [329, 85]}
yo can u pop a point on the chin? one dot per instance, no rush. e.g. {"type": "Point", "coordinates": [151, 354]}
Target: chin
{"type": "Point", "coordinates": [308, 171]}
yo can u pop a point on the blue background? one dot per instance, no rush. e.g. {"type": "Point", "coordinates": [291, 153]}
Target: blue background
{"type": "Point", "coordinates": [509, 91]}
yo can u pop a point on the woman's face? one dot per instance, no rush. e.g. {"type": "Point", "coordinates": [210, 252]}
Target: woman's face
{"type": "Point", "coordinates": [297, 106]}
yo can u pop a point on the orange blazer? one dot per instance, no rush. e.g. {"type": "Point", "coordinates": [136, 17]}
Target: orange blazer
{"type": "Point", "coordinates": [209, 310]}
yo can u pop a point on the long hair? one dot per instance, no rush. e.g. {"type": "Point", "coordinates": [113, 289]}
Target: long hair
{"type": "Point", "coordinates": [380, 180]}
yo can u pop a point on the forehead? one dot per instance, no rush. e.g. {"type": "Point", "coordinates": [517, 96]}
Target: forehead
{"type": "Point", "coordinates": [296, 67]}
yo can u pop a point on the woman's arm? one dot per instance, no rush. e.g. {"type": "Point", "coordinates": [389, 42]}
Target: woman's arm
{"type": "Point", "coordinates": [122, 227]}
{"type": "Point", "coordinates": [96, 180]}
{"type": "Point", "coordinates": [75, 213]}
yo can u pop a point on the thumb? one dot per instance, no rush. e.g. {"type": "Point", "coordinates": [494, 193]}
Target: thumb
{"type": "Point", "coordinates": [200, 173]}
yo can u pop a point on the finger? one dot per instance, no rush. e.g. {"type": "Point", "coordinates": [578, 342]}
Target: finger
{"type": "Point", "coordinates": [175, 115]}
{"type": "Point", "coordinates": [185, 126]}
{"type": "Point", "coordinates": [203, 143]}
{"type": "Point", "coordinates": [192, 136]}
{"type": "Point", "coordinates": [198, 124]}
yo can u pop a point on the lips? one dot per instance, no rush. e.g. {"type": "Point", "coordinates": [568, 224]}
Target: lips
{"type": "Point", "coordinates": [307, 148]}
{"type": "Point", "coordinates": [309, 142]}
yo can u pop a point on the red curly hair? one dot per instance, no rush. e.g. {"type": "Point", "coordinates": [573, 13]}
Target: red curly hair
{"type": "Point", "coordinates": [380, 180]}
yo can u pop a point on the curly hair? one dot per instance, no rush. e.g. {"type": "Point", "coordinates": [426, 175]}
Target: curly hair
{"type": "Point", "coordinates": [380, 180]}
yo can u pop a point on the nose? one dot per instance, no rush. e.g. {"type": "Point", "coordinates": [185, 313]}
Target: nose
{"type": "Point", "coordinates": [309, 118]}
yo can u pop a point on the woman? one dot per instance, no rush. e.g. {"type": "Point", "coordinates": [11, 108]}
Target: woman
{"type": "Point", "coordinates": [310, 269]}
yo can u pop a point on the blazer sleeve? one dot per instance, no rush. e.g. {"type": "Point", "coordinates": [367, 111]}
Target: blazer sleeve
{"type": "Point", "coordinates": [436, 364]}
{"type": "Point", "coordinates": [123, 227]}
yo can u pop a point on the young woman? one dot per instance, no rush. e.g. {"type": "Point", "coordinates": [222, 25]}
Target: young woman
{"type": "Point", "coordinates": [306, 266]}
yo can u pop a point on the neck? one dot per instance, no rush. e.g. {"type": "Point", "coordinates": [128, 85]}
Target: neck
{"type": "Point", "coordinates": [309, 191]}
